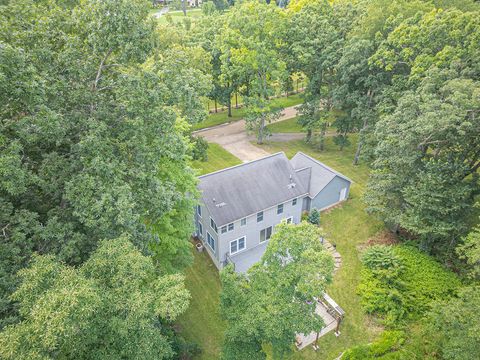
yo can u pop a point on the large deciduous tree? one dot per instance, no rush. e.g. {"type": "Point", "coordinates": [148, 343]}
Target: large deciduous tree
{"type": "Point", "coordinates": [276, 298]}
{"type": "Point", "coordinates": [109, 308]}
{"type": "Point", "coordinates": [250, 52]}
{"type": "Point", "coordinates": [428, 151]}
{"type": "Point", "coordinates": [87, 125]}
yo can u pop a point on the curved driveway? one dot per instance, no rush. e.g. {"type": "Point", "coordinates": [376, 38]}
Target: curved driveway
{"type": "Point", "coordinates": [234, 138]}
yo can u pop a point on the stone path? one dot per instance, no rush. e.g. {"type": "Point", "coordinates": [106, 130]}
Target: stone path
{"type": "Point", "coordinates": [233, 137]}
{"type": "Point", "coordinates": [336, 255]}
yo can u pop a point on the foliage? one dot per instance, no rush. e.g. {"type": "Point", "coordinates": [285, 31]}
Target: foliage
{"type": "Point", "coordinates": [199, 148]}
{"type": "Point", "coordinates": [108, 307]}
{"type": "Point", "coordinates": [275, 300]}
{"type": "Point", "coordinates": [454, 325]}
{"type": "Point", "coordinates": [400, 282]}
{"type": "Point", "coordinates": [314, 217]}
{"type": "Point", "coordinates": [91, 113]}
{"type": "Point", "coordinates": [470, 251]}
{"type": "Point", "coordinates": [386, 347]}
{"type": "Point", "coordinates": [250, 55]}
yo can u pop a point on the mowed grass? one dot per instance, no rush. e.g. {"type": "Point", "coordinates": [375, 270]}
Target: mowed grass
{"type": "Point", "coordinates": [347, 226]}
{"type": "Point", "coordinates": [218, 158]}
{"type": "Point", "coordinates": [177, 15]}
{"type": "Point", "coordinates": [202, 323]}
{"type": "Point", "coordinates": [222, 116]}
{"type": "Point", "coordinates": [285, 126]}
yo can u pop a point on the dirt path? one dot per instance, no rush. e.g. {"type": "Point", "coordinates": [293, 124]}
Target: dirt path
{"type": "Point", "coordinates": [234, 138]}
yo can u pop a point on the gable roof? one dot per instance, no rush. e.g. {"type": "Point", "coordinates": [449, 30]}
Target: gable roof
{"type": "Point", "coordinates": [233, 193]}
{"type": "Point", "coordinates": [320, 174]}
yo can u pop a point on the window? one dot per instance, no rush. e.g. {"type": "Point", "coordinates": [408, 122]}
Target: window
{"type": "Point", "coordinates": [237, 245]}
{"type": "Point", "coordinates": [260, 216]}
{"type": "Point", "coordinates": [199, 210]}
{"type": "Point", "coordinates": [289, 220]}
{"type": "Point", "coordinates": [243, 222]}
{"type": "Point", "coordinates": [213, 225]}
{"type": "Point", "coordinates": [265, 234]}
{"type": "Point", "coordinates": [210, 241]}
{"type": "Point", "coordinates": [294, 202]}
{"type": "Point", "coordinates": [279, 209]}
{"type": "Point", "coordinates": [200, 228]}
{"type": "Point", "coordinates": [226, 228]}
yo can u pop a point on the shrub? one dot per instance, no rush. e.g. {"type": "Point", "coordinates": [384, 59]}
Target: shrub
{"type": "Point", "coordinates": [199, 148]}
{"type": "Point", "coordinates": [400, 282]}
{"type": "Point", "coordinates": [314, 217]}
{"type": "Point", "coordinates": [386, 347]}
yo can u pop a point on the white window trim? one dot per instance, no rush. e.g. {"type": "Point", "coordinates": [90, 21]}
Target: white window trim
{"type": "Point", "coordinates": [208, 242]}
{"type": "Point", "coordinates": [289, 218]}
{"type": "Point", "coordinates": [238, 251]}
{"type": "Point", "coordinates": [283, 209]}
{"type": "Point", "coordinates": [199, 210]}
{"type": "Point", "coordinates": [211, 227]}
{"type": "Point", "coordinates": [271, 233]}
{"type": "Point", "coordinates": [263, 216]}
{"type": "Point", "coordinates": [242, 220]}
{"type": "Point", "coordinates": [301, 196]}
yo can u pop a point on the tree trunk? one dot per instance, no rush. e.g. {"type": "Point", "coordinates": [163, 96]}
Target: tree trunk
{"type": "Point", "coordinates": [236, 101]}
{"type": "Point", "coordinates": [229, 105]}
{"type": "Point", "coordinates": [322, 137]}
{"type": "Point", "coordinates": [297, 86]}
{"type": "Point", "coordinates": [357, 153]}
{"type": "Point", "coordinates": [216, 105]}
{"type": "Point", "coordinates": [184, 7]}
{"type": "Point", "coordinates": [309, 135]}
{"type": "Point", "coordinates": [260, 131]}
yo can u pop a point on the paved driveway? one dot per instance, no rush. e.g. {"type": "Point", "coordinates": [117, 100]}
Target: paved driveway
{"type": "Point", "coordinates": [234, 138]}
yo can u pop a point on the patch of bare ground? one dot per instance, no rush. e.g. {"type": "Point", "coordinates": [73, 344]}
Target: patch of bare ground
{"type": "Point", "coordinates": [384, 237]}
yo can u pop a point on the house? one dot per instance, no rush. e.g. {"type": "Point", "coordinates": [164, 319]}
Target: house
{"type": "Point", "coordinates": [241, 205]}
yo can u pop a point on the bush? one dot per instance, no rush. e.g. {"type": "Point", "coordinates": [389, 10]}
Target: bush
{"type": "Point", "coordinates": [199, 148]}
{"type": "Point", "coordinates": [314, 217]}
{"type": "Point", "coordinates": [400, 282]}
{"type": "Point", "coordinates": [386, 347]}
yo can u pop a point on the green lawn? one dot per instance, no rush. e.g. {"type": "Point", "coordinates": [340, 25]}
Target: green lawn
{"type": "Point", "coordinates": [202, 323]}
{"type": "Point", "coordinates": [218, 158]}
{"type": "Point", "coordinates": [285, 126]}
{"type": "Point", "coordinates": [177, 15]}
{"type": "Point", "coordinates": [347, 226]}
{"type": "Point", "coordinates": [237, 114]}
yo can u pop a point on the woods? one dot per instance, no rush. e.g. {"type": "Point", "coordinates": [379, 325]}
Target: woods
{"type": "Point", "coordinates": [98, 188]}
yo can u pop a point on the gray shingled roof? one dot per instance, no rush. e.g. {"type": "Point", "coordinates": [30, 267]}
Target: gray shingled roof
{"type": "Point", "coordinates": [320, 174]}
{"type": "Point", "coordinates": [233, 193]}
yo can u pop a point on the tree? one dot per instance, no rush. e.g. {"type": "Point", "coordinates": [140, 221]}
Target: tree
{"type": "Point", "coordinates": [454, 325]}
{"type": "Point", "coordinates": [87, 125]}
{"type": "Point", "coordinates": [315, 38]}
{"type": "Point", "coordinates": [425, 180]}
{"type": "Point", "coordinates": [469, 250]}
{"type": "Point", "coordinates": [276, 298]}
{"type": "Point", "coordinates": [250, 51]}
{"type": "Point", "coordinates": [427, 153]}
{"type": "Point", "coordinates": [314, 217]}
{"type": "Point", "coordinates": [110, 307]}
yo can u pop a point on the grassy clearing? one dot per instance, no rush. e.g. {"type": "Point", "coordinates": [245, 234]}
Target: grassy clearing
{"type": "Point", "coordinates": [202, 323]}
{"type": "Point", "coordinates": [177, 15]}
{"type": "Point", "coordinates": [237, 114]}
{"type": "Point", "coordinates": [347, 226]}
{"type": "Point", "coordinates": [218, 158]}
{"type": "Point", "coordinates": [285, 126]}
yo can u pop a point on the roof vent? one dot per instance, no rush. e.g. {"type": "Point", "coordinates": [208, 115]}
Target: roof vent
{"type": "Point", "coordinates": [291, 185]}
{"type": "Point", "coordinates": [214, 201]}
{"type": "Point", "coordinates": [222, 204]}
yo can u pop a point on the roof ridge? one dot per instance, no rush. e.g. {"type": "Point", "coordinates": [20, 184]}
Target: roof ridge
{"type": "Point", "coordinates": [324, 165]}
{"type": "Point", "coordinates": [243, 164]}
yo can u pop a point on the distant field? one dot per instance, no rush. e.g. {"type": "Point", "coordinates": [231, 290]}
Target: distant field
{"type": "Point", "coordinates": [222, 116]}
{"type": "Point", "coordinates": [177, 15]}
